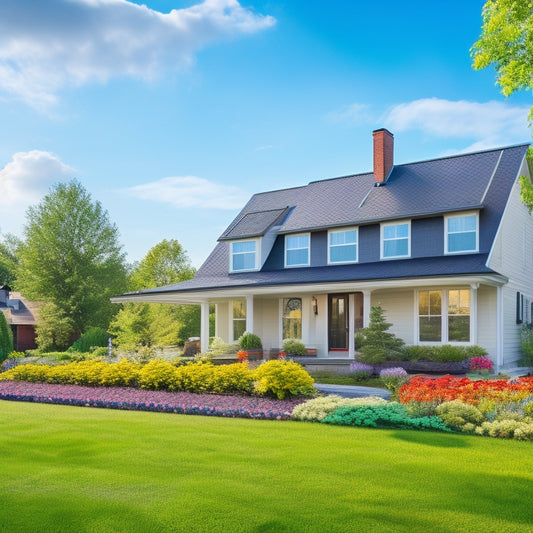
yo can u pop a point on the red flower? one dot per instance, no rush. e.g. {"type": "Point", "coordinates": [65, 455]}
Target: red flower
{"type": "Point", "coordinates": [242, 355]}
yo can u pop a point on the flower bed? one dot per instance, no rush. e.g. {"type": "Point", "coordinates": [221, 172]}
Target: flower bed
{"type": "Point", "coordinates": [447, 388]}
{"type": "Point", "coordinates": [142, 400]}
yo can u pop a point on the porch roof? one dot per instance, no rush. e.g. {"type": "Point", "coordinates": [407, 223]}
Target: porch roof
{"type": "Point", "coordinates": [421, 270]}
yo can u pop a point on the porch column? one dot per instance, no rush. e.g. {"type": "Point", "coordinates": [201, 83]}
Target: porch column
{"type": "Point", "coordinates": [250, 313]}
{"type": "Point", "coordinates": [204, 327]}
{"type": "Point", "coordinates": [366, 308]}
{"type": "Point", "coordinates": [499, 328]}
{"type": "Point", "coordinates": [473, 312]}
{"type": "Point", "coordinates": [351, 326]}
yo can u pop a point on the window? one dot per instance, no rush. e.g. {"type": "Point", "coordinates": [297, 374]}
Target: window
{"type": "Point", "coordinates": [297, 250]}
{"type": "Point", "coordinates": [395, 240]}
{"type": "Point", "coordinates": [243, 256]}
{"type": "Point", "coordinates": [461, 234]}
{"type": "Point", "coordinates": [444, 316]}
{"type": "Point", "coordinates": [291, 317]}
{"type": "Point", "coordinates": [239, 318]}
{"type": "Point", "coordinates": [342, 246]}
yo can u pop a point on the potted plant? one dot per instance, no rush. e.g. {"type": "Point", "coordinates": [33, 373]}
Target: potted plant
{"type": "Point", "coordinates": [294, 347]}
{"type": "Point", "coordinates": [252, 344]}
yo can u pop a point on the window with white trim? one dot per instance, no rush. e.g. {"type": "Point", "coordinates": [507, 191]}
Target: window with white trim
{"type": "Point", "coordinates": [342, 246]}
{"type": "Point", "coordinates": [395, 240]}
{"type": "Point", "coordinates": [244, 255]}
{"type": "Point", "coordinates": [297, 250]}
{"type": "Point", "coordinates": [461, 233]}
{"type": "Point", "coordinates": [444, 315]}
{"type": "Point", "coordinates": [238, 318]}
{"type": "Point", "coordinates": [291, 318]}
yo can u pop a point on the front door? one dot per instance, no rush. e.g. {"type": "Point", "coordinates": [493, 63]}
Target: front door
{"type": "Point", "coordinates": [338, 320]}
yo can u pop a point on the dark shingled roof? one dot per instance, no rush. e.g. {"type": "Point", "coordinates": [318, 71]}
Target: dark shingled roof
{"type": "Point", "coordinates": [481, 180]}
{"type": "Point", "coordinates": [253, 224]}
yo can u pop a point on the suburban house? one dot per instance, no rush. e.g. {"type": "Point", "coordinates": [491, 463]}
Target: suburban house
{"type": "Point", "coordinates": [21, 316]}
{"type": "Point", "coordinates": [444, 246]}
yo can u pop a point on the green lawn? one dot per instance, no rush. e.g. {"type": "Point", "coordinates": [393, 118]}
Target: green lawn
{"type": "Point", "coordinates": [71, 469]}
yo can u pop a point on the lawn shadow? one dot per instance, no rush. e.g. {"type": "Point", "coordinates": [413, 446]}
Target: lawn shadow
{"type": "Point", "coordinates": [441, 440]}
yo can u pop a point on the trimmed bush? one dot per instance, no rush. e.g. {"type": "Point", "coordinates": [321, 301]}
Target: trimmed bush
{"type": "Point", "coordinates": [391, 415]}
{"type": "Point", "coordinates": [317, 409]}
{"type": "Point", "coordinates": [442, 354]}
{"type": "Point", "coordinates": [283, 379]}
{"type": "Point", "coordinates": [294, 347]}
{"type": "Point", "coordinates": [250, 341]}
{"type": "Point", "coordinates": [457, 414]}
{"type": "Point", "coordinates": [232, 379]}
{"type": "Point", "coordinates": [157, 375]}
{"type": "Point", "coordinates": [92, 338]}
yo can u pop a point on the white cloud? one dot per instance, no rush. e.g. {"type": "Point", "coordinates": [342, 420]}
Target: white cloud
{"type": "Point", "coordinates": [355, 113]}
{"type": "Point", "coordinates": [45, 46]}
{"type": "Point", "coordinates": [488, 124]}
{"type": "Point", "coordinates": [23, 182]}
{"type": "Point", "coordinates": [191, 191]}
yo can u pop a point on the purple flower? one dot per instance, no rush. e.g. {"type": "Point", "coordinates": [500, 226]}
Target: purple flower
{"type": "Point", "coordinates": [393, 372]}
{"type": "Point", "coordinates": [356, 366]}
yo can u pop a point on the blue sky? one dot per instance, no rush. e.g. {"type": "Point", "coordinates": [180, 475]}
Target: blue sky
{"type": "Point", "coordinates": [172, 113]}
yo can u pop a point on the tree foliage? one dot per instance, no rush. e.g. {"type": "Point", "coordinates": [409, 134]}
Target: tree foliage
{"type": "Point", "coordinates": [71, 258]}
{"type": "Point", "coordinates": [506, 42]}
{"type": "Point", "coordinates": [55, 330]}
{"type": "Point", "coordinates": [8, 260]}
{"type": "Point", "coordinates": [379, 344]}
{"type": "Point", "coordinates": [138, 324]}
{"type": "Point", "coordinates": [6, 338]}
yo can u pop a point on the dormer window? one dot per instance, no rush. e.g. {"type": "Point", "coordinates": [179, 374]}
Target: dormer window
{"type": "Point", "coordinates": [297, 250]}
{"type": "Point", "coordinates": [342, 246]}
{"type": "Point", "coordinates": [396, 240]}
{"type": "Point", "coordinates": [244, 255]}
{"type": "Point", "coordinates": [461, 233]}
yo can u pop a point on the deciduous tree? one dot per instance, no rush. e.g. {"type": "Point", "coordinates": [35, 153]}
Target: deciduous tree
{"type": "Point", "coordinates": [71, 257]}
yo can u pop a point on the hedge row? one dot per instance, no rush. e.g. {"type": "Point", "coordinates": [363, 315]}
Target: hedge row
{"type": "Point", "coordinates": [275, 378]}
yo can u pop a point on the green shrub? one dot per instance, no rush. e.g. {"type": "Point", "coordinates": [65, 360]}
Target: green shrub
{"type": "Point", "coordinates": [283, 378]}
{"type": "Point", "coordinates": [317, 409]}
{"type": "Point", "coordinates": [448, 354]}
{"type": "Point", "coordinates": [219, 347]}
{"type": "Point", "coordinates": [379, 345]}
{"type": "Point", "coordinates": [526, 337]}
{"type": "Point", "coordinates": [157, 375]}
{"type": "Point", "coordinates": [391, 415]}
{"type": "Point", "coordinates": [122, 374]}
{"type": "Point", "coordinates": [457, 415]}
{"type": "Point", "coordinates": [195, 377]}
{"type": "Point", "coordinates": [31, 373]}
{"type": "Point", "coordinates": [420, 409]}
{"type": "Point", "coordinates": [234, 378]}
{"type": "Point", "coordinates": [249, 341]}
{"type": "Point", "coordinates": [92, 338]}
{"type": "Point", "coordinates": [506, 429]}
{"type": "Point", "coordinates": [420, 353]}
{"type": "Point", "coordinates": [294, 347]}
{"type": "Point", "coordinates": [16, 355]}
{"type": "Point", "coordinates": [474, 351]}
{"type": "Point", "coordinates": [6, 338]}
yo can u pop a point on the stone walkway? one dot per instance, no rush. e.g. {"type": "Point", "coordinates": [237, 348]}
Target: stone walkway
{"type": "Point", "coordinates": [352, 391]}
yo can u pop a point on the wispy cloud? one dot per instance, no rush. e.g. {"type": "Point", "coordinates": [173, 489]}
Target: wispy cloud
{"type": "Point", "coordinates": [191, 191]}
{"type": "Point", "coordinates": [356, 113]}
{"type": "Point", "coordinates": [23, 182]}
{"type": "Point", "coordinates": [45, 46]}
{"type": "Point", "coordinates": [486, 124]}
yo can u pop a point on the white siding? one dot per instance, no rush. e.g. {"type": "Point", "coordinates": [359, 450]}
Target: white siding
{"type": "Point", "coordinates": [222, 322]}
{"type": "Point", "coordinates": [487, 320]}
{"type": "Point", "coordinates": [398, 307]}
{"type": "Point", "coordinates": [512, 256]}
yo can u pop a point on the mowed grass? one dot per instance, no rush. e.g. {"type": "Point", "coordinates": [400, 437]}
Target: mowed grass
{"type": "Point", "coordinates": [72, 469]}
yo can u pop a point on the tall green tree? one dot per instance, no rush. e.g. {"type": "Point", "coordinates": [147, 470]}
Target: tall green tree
{"type": "Point", "coordinates": [506, 42]}
{"type": "Point", "coordinates": [8, 260]}
{"type": "Point", "coordinates": [6, 338]}
{"type": "Point", "coordinates": [71, 257]}
{"type": "Point", "coordinates": [138, 324]}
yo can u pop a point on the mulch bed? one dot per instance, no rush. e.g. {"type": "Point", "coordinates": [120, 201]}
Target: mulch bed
{"type": "Point", "coordinates": [144, 400]}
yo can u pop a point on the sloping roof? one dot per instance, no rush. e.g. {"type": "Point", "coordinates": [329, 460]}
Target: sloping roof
{"type": "Point", "coordinates": [442, 185]}
{"type": "Point", "coordinates": [481, 180]}
{"type": "Point", "coordinates": [27, 313]}
{"type": "Point", "coordinates": [253, 224]}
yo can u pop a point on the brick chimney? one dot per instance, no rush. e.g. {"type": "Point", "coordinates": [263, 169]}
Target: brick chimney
{"type": "Point", "coordinates": [383, 154]}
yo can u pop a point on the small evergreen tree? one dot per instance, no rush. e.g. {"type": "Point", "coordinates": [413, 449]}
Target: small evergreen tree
{"type": "Point", "coordinates": [6, 338]}
{"type": "Point", "coordinates": [378, 344]}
